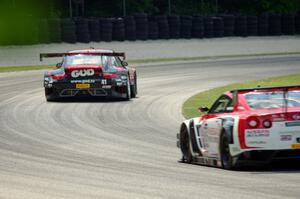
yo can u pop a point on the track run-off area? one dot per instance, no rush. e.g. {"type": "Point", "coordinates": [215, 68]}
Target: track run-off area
{"type": "Point", "coordinates": [126, 149]}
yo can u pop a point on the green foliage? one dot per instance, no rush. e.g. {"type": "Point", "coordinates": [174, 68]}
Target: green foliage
{"type": "Point", "coordinates": [280, 6]}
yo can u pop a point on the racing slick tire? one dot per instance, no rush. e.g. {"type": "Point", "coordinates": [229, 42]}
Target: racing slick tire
{"type": "Point", "coordinates": [133, 88]}
{"type": "Point", "coordinates": [49, 94]}
{"type": "Point", "coordinates": [185, 146]}
{"type": "Point", "coordinates": [128, 90]}
{"type": "Point", "coordinates": [228, 162]}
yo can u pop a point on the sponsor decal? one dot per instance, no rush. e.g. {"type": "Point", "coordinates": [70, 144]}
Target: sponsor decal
{"type": "Point", "coordinates": [213, 139]}
{"type": "Point", "coordinates": [257, 133]}
{"type": "Point", "coordinates": [277, 118]}
{"type": "Point", "coordinates": [291, 124]}
{"type": "Point", "coordinates": [257, 142]}
{"type": "Point", "coordinates": [83, 81]}
{"type": "Point", "coordinates": [286, 137]}
{"type": "Point", "coordinates": [106, 86]}
{"type": "Point", "coordinates": [82, 73]}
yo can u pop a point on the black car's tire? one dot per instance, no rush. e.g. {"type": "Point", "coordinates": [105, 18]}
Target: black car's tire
{"type": "Point", "coordinates": [49, 94]}
{"type": "Point", "coordinates": [226, 159]}
{"type": "Point", "coordinates": [128, 91]}
{"type": "Point", "coordinates": [185, 145]}
{"type": "Point", "coordinates": [133, 88]}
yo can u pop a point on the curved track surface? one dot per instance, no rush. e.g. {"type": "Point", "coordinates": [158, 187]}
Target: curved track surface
{"type": "Point", "coordinates": [125, 149]}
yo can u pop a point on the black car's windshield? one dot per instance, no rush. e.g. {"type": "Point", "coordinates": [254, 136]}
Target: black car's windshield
{"type": "Point", "coordinates": [277, 99]}
{"type": "Point", "coordinates": [82, 60]}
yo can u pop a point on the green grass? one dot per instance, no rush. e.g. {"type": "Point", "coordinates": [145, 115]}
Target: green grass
{"type": "Point", "coordinates": [24, 68]}
{"type": "Point", "coordinates": [156, 60]}
{"type": "Point", "coordinates": [206, 98]}
{"type": "Point", "coordinates": [170, 59]}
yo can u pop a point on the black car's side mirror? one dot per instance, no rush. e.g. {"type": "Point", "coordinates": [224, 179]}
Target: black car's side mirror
{"type": "Point", "coordinates": [124, 63]}
{"type": "Point", "coordinates": [58, 65]}
{"type": "Point", "coordinates": [203, 109]}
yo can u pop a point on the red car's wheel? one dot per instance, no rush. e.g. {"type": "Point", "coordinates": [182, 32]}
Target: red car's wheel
{"type": "Point", "coordinates": [226, 158]}
{"type": "Point", "coordinates": [185, 145]}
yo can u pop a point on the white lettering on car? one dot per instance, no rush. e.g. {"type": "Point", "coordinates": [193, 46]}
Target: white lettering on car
{"type": "Point", "coordinates": [82, 73]}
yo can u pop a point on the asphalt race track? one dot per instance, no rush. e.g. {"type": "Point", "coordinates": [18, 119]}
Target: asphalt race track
{"type": "Point", "coordinates": [126, 149]}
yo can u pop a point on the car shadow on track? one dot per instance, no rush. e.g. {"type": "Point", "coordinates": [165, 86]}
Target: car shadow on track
{"type": "Point", "coordinates": [287, 166]}
{"type": "Point", "coordinates": [90, 100]}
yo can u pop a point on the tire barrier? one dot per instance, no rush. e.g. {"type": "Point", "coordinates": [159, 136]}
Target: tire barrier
{"type": "Point", "coordinates": [241, 26]}
{"type": "Point", "coordinates": [163, 27]}
{"type": "Point", "coordinates": [208, 27]}
{"type": "Point", "coordinates": [142, 27]}
{"type": "Point", "coordinates": [94, 29]}
{"type": "Point", "coordinates": [54, 30]}
{"type": "Point", "coordinates": [288, 24]}
{"type": "Point", "coordinates": [141, 21]}
{"type": "Point", "coordinates": [118, 32]}
{"type": "Point", "coordinates": [186, 27]}
{"type": "Point", "coordinates": [82, 30]}
{"type": "Point", "coordinates": [252, 25]}
{"type": "Point", "coordinates": [68, 31]}
{"type": "Point", "coordinates": [297, 23]}
{"type": "Point", "coordinates": [229, 22]}
{"type": "Point", "coordinates": [263, 24]}
{"type": "Point", "coordinates": [275, 24]}
{"type": "Point", "coordinates": [174, 27]}
{"type": "Point", "coordinates": [198, 27]}
{"type": "Point", "coordinates": [153, 29]}
{"type": "Point", "coordinates": [218, 26]}
{"type": "Point", "coordinates": [130, 28]}
{"type": "Point", "coordinates": [106, 28]}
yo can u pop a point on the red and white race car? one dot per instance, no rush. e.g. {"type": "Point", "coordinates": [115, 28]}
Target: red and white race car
{"type": "Point", "coordinates": [244, 126]}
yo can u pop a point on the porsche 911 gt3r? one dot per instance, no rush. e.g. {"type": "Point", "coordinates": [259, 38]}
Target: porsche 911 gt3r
{"type": "Point", "coordinates": [90, 73]}
{"type": "Point", "coordinates": [247, 126]}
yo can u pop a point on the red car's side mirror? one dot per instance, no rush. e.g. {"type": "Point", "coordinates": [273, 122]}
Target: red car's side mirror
{"type": "Point", "coordinates": [124, 63]}
{"type": "Point", "coordinates": [58, 65]}
{"type": "Point", "coordinates": [203, 109]}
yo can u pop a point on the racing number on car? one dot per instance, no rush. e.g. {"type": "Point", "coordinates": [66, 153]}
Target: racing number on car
{"type": "Point", "coordinates": [82, 73]}
{"type": "Point", "coordinates": [104, 81]}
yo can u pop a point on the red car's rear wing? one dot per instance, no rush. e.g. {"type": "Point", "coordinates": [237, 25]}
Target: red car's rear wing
{"type": "Point", "coordinates": [50, 55]}
{"type": "Point", "coordinates": [283, 88]}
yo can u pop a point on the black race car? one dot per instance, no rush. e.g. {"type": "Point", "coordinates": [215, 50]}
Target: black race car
{"type": "Point", "coordinates": [90, 73]}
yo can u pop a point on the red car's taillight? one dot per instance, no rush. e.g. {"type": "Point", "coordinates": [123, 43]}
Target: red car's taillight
{"type": "Point", "coordinates": [267, 123]}
{"type": "Point", "coordinates": [254, 122]}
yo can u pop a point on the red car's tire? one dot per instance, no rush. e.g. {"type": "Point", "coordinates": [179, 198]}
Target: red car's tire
{"type": "Point", "coordinates": [185, 146]}
{"type": "Point", "coordinates": [227, 160]}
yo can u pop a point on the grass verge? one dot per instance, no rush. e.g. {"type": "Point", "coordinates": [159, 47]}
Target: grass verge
{"type": "Point", "coordinates": [24, 68]}
{"type": "Point", "coordinates": [141, 61]}
{"type": "Point", "coordinates": [206, 98]}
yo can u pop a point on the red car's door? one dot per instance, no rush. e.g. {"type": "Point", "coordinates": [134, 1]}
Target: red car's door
{"type": "Point", "coordinates": [211, 126]}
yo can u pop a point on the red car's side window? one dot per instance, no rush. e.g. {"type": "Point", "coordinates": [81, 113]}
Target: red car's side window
{"type": "Point", "coordinates": [222, 105]}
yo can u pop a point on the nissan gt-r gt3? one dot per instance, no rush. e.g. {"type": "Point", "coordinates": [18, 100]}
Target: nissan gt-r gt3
{"type": "Point", "coordinates": [246, 126]}
{"type": "Point", "coordinates": [90, 73]}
